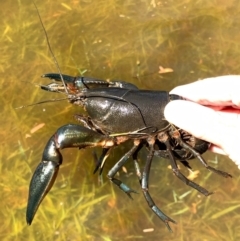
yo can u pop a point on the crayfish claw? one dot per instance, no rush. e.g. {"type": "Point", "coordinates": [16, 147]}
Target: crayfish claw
{"type": "Point", "coordinates": [168, 227]}
{"type": "Point", "coordinates": [46, 172]}
{"type": "Point", "coordinates": [163, 217]}
{"type": "Point", "coordinates": [129, 193]}
{"type": "Point", "coordinates": [123, 187]}
{"type": "Point", "coordinates": [41, 183]}
{"type": "Point", "coordinates": [57, 77]}
{"type": "Point", "coordinates": [43, 178]}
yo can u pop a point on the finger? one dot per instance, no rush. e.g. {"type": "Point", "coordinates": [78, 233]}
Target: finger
{"type": "Point", "coordinates": [217, 127]}
{"type": "Point", "coordinates": [198, 120]}
{"type": "Point", "coordinates": [216, 149]}
{"type": "Point", "coordinates": [216, 91]}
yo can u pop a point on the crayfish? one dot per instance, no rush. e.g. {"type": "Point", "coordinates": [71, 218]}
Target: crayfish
{"type": "Point", "coordinates": [116, 112]}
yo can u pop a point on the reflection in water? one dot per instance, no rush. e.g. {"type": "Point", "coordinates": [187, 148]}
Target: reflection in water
{"type": "Point", "coordinates": [110, 39]}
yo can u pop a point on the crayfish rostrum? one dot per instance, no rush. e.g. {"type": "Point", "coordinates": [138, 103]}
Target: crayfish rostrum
{"type": "Point", "coordinates": [116, 112]}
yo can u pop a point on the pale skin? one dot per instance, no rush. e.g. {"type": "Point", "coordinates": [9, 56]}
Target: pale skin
{"type": "Point", "coordinates": [211, 113]}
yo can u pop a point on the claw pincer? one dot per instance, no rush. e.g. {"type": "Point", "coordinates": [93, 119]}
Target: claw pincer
{"type": "Point", "coordinates": [116, 112]}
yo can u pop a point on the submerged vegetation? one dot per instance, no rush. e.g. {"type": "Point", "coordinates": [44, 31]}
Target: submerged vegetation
{"type": "Point", "coordinates": [153, 44]}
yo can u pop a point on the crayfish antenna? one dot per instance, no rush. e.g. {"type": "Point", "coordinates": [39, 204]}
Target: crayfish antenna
{"type": "Point", "coordinates": [50, 49]}
{"type": "Point", "coordinates": [40, 102]}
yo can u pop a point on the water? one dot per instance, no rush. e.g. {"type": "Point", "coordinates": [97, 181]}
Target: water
{"type": "Point", "coordinates": [111, 40]}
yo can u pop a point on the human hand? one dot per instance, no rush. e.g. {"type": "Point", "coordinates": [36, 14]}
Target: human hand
{"type": "Point", "coordinates": [212, 113]}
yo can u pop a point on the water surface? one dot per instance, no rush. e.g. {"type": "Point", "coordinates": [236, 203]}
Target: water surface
{"type": "Point", "coordinates": [126, 40]}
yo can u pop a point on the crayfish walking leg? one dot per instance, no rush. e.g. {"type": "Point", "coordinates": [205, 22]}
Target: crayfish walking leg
{"type": "Point", "coordinates": [164, 138]}
{"type": "Point", "coordinates": [117, 167]}
{"type": "Point", "coordinates": [199, 157]}
{"type": "Point", "coordinates": [144, 184]}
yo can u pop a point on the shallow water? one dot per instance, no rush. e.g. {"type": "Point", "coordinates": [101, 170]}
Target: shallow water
{"type": "Point", "coordinates": [110, 40]}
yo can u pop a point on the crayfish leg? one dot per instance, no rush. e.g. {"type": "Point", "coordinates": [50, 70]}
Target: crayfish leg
{"type": "Point", "coordinates": [117, 167]}
{"type": "Point", "coordinates": [45, 175]}
{"type": "Point", "coordinates": [164, 138]}
{"type": "Point", "coordinates": [199, 157]}
{"type": "Point", "coordinates": [145, 188]}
